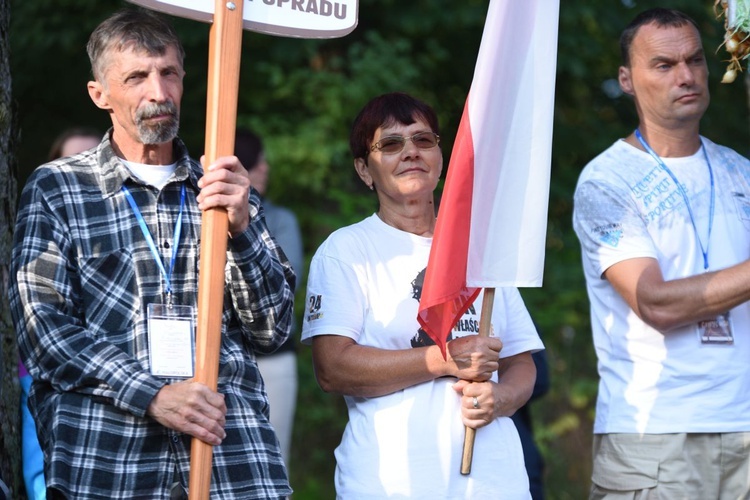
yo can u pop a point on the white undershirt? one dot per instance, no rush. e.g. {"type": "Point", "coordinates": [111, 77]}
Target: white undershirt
{"type": "Point", "coordinates": [154, 175]}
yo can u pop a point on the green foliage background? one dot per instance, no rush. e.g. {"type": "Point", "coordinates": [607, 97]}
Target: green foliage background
{"type": "Point", "coordinates": [301, 95]}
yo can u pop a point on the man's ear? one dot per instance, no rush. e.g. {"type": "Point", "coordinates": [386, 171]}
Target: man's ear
{"type": "Point", "coordinates": [98, 95]}
{"type": "Point", "coordinates": [360, 165]}
{"type": "Point", "coordinates": [626, 83]}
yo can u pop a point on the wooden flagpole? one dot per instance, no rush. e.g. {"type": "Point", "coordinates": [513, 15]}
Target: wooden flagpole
{"type": "Point", "coordinates": [225, 44]}
{"type": "Point", "coordinates": [485, 326]}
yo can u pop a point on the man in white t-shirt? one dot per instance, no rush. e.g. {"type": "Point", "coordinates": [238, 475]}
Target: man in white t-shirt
{"type": "Point", "coordinates": [663, 217]}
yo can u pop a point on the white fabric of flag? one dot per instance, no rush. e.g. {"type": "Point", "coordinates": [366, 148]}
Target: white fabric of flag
{"type": "Point", "coordinates": [510, 107]}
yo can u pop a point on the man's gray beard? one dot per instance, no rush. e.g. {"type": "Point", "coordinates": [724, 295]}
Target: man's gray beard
{"type": "Point", "coordinates": [161, 132]}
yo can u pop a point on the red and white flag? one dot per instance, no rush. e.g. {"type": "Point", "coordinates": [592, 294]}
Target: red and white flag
{"type": "Point", "coordinates": [492, 220]}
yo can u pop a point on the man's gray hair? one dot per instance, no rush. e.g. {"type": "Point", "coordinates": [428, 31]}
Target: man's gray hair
{"type": "Point", "coordinates": [134, 29]}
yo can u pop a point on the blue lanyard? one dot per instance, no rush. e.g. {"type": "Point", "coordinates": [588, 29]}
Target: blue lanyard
{"type": "Point", "coordinates": [150, 239]}
{"type": "Point", "coordinates": [661, 163]}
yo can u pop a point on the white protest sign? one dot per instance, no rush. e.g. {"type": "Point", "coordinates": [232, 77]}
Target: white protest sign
{"type": "Point", "coordinates": [291, 18]}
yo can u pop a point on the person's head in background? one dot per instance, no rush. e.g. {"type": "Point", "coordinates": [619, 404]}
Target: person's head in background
{"type": "Point", "coordinates": [74, 140]}
{"type": "Point", "coordinates": [248, 148]}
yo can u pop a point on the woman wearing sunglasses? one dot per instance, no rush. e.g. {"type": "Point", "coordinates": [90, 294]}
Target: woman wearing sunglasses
{"type": "Point", "coordinates": [407, 405]}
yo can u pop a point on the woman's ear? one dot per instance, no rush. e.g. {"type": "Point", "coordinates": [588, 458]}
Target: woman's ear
{"type": "Point", "coordinates": [360, 165]}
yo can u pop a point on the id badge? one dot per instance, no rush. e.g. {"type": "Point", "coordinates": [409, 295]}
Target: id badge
{"type": "Point", "coordinates": [171, 340]}
{"type": "Point", "coordinates": [716, 331]}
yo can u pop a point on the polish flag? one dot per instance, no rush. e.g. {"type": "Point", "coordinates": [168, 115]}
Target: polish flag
{"type": "Point", "coordinates": [492, 220]}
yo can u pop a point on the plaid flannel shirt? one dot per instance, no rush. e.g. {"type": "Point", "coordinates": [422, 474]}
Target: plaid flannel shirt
{"type": "Point", "coordinates": [82, 277]}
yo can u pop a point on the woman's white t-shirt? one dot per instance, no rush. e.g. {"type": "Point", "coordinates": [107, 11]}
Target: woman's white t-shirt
{"type": "Point", "coordinates": [365, 283]}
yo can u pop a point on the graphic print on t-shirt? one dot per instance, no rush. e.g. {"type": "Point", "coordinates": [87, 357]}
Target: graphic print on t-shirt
{"type": "Point", "coordinates": [610, 234]}
{"type": "Point", "coordinates": [313, 308]}
{"type": "Point", "coordinates": [421, 339]}
{"type": "Point", "coordinates": [743, 208]}
{"type": "Point", "coordinates": [469, 324]}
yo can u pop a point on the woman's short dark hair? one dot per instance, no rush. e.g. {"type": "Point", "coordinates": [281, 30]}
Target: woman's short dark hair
{"type": "Point", "coordinates": [661, 17]}
{"type": "Point", "coordinates": [383, 111]}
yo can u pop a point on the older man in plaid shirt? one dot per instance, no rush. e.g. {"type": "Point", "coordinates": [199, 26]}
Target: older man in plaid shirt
{"type": "Point", "coordinates": [104, 289]}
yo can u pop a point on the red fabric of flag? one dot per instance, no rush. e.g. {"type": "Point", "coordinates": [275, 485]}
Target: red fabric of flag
{"type": "Point", "coordinates": [448, 296]}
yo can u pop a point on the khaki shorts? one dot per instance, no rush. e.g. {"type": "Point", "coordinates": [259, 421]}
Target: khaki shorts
{"type": "Point", "coordinates": [671, 466]}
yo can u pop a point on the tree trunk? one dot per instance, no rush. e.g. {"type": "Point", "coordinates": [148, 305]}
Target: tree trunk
{"type": "Point", "coordinates": [10, 436]}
